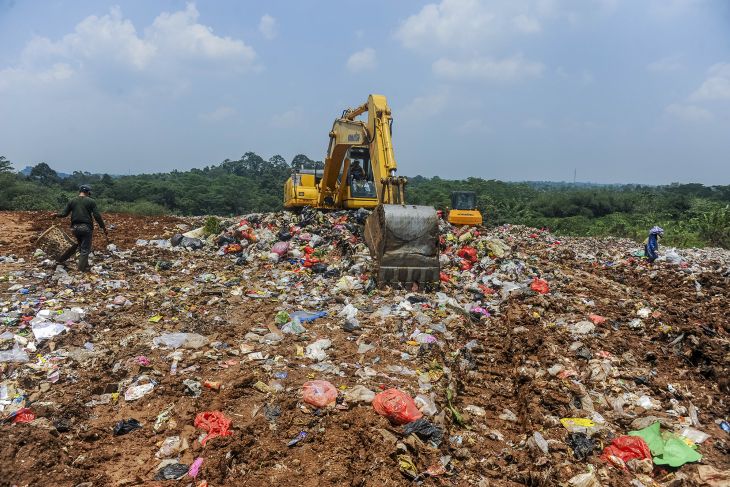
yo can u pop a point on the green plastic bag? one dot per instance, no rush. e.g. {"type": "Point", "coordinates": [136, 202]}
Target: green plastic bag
{"type": "Point", "coordinates": [666, 449]}
{"type": "Point", "coordinates": [653, 437]}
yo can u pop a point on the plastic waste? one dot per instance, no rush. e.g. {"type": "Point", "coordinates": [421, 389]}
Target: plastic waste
{"type": "Point", "coordinates": [194, 469]}
{"type": "Point", "coordinates": [581, 328]}
{"type": "Point", "coordinates": [666, 449]}
{"type": "Point", "coordinates": [43, 329]}
{"type": "Point", "coordinates": [426, 405]}
{"type": "Point", "coordinates": [171, 446]}
{"type": "Point", "coordinates": [316, 350]}
{"type": "Point", "coordinates": [215, 423]}
{"type": "Point", "coordinates": [180, 340]}
{"type": "Point", "coordinates": [712, 477]}
{"type": "Point", "coordinates": [23, 415]}
{"type": "Point", "coordinates": [581, 445]}
{"type": "Point", "coordinates": [319, 393]}
{"type": "Point", "coordinates": [138, 391]}
{"type": "Point", "coordinates": [539, 441]}
{"type": "Point", "coordinates": [696, 436]}
{"type": "Point", "coordinates": [280, 248]}
{"type": "Point", "coordinates": [625, 448]}
{"type": "Point", "coordinates": [397, 406]}
{"type": "Point", "coordinates": [300, 436]}
{"type": "Point", "coordinates": [172, 471]}
{"type": "Point", "coordinates": [125, 426]}
{"type": "Point", "coordinates": [587, 479]}
{"type": "Point", "coordinates": [359, 393]}
{"type": "Point", "coordinates": [14, 355]}
{"type": "Point", "coordinates": [306, 316]}
{"type": "Point", "coordinates": [540, 285]}
{"type": "Point", "coordinates": [425, 431]}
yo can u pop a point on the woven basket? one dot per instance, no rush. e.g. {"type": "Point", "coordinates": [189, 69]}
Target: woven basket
{"type": "Point", "coordinates": [54, 242]}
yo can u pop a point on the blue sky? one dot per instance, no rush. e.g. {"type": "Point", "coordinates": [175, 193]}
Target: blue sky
{"type": "Point", "coordinates": [621, 90]}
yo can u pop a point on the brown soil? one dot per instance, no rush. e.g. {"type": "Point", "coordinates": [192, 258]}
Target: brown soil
{"type": "Point", "coordinates": [348, 446]}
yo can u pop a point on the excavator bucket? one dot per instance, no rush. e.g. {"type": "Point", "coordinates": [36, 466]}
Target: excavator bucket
{"type": "Point", "coordinates": [403, 241]}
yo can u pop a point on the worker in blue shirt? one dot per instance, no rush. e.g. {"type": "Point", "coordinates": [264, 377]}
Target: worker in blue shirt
{"type": "Point", "coordinates": [651, 244]}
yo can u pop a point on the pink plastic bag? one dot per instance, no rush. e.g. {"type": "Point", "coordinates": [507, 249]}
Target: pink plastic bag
{"type": "Point", "coordinates": [280, 248]}
{"type": "Point", "coordinates": [397, 406]}
{"type": "Point", "coordinates": [319, 393]}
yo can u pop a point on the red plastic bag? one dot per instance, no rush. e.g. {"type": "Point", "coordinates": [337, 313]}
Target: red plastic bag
{"type": "Point", "coordinates": [397, 406]}
{"type": "Point", "coordinates": [597, 319]}
{"type": "Point", "coordinates": [215, 423]}
{"type": "Point", "coordinates": [24, 415]}
{"type": "Point", "coordinates": [540, 285]}
{"type": "Point", "coordinates": [465, 265]}
{"type": "Point", "coordinates": [319, 393]}
{"type": "Point", "coordinates": [444, 277]}
{"type": "Point", "coordinates": [468, 253]}
{"type": "Point", "coordinates": [625, 448]}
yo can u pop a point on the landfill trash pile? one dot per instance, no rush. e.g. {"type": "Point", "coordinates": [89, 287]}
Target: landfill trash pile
{"type": "Point", "coordinates": [266, 355]}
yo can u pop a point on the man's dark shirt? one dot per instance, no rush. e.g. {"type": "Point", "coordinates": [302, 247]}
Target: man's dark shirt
{"type": "Point", "coordinates": [82, 209]}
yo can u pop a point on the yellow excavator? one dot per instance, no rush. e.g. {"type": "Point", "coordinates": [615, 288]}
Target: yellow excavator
{"type": "Point", "coordinates": [360, 172]}
{"type": "Point", "coordinates": [464, 209]}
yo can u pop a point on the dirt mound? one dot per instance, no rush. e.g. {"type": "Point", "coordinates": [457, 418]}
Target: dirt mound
{"type": "Point", "coordinates": [524, 330]}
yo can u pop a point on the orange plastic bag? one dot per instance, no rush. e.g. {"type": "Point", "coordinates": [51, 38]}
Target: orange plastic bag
{"type": "Point", "coordinates": [540, 285]}
{"type": "Point", "coordinates": [397, 406]}
{"type": "Point", "coordinates": [215, 423]}
{"type": "Point", "coordinates": [319, 393]}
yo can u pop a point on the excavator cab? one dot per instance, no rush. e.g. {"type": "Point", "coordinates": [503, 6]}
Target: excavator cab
{"type": "Point", "coordinates": [464, 209]}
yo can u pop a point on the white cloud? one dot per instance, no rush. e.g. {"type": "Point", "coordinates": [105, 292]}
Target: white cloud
{"type": "Point", "coordinates": [509, 69]}
{"type": "Point", "coordinates": [364, 60]}
{"type": "Point", "coordinates": [526, 24]}
{"type": "Point", "coordinates": [268, 27]}
{"type": "Point", "coordinates": [473, 126]}
{"type": "Point", "coordinates": [466, 23]}
{"type": "Point", "coordinates": [288, 119]}
{"type": "Point", "coordinates": [450, 23]}
{"type": "Point", "coordinates": [425, 106]}
{"type": "Point", "coordinates": [717, 85]}
{"type": "Point", "coordinates": [219, 114]}
{"type": "Point", "coordinates": [665, 65]}
{"type": "Point", "coordinates": [688, 113]}
{"type": "Point", "coordinates": [110, 47]}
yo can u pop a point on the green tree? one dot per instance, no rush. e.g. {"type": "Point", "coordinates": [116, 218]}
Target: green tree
{"type": "Point", "coordinates": [43, 174]}
{"type": "Point", "coordinates": [5, 165]}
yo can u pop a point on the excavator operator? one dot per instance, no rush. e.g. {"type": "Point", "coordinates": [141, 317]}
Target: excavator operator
{"type": "Point", "coordinates": [356, 171]}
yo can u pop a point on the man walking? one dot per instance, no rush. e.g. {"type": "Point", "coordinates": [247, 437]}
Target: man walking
{"type": "Point", "coordinates": [82, 210]}
{"type": "Point", "coordinates": [651, 244]}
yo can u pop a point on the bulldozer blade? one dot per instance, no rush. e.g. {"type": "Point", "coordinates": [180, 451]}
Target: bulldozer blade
{"type": "Point", "coordinates": [403, 241]}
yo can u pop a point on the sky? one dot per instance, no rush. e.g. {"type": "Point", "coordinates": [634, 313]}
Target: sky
{"type": "Point", "coordinates": [619, 91]}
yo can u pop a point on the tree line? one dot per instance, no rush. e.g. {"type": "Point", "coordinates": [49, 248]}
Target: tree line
{"type": "Point", "coordinates": [692, 214]}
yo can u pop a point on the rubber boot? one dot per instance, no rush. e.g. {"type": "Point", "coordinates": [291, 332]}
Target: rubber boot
{"type": "Point", "coordinates": [83, 262]}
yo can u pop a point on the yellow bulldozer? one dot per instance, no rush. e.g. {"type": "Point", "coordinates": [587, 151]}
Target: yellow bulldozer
{"type": "Point", "coordinates": [360, 172]}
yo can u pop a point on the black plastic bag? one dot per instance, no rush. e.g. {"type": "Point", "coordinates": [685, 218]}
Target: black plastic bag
{"type": "Point", "coordinates": [125, 426]}
{"type": "Point", "coordinates": [172, 471]}
{"type": "Point", "coordinates": [425, 431]}
{"type": "Point", "coordinates": [581, 444]}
